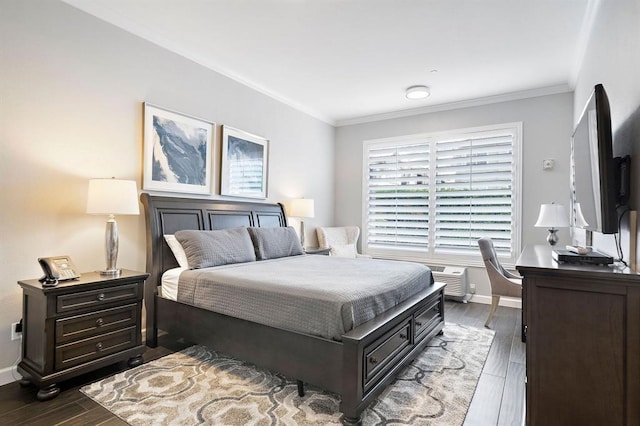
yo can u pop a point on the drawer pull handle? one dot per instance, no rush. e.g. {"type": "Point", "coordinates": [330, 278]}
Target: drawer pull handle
{"type": "Point", "coordinates": [418, 324]}
{"type": "Point", "coordinates": [101, 297]}
{"type": "Point", "coordinates": [99, 346]}
{"type": "Point", "coordinates": [99, 322]}
{"type": "Point", "coordinates": [373, 361]}
{"type": "Point", "coordinates": [403, 336]}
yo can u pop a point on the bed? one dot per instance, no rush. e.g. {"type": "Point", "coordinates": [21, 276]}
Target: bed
{"type": "Point", "coordinates": [358, 365]}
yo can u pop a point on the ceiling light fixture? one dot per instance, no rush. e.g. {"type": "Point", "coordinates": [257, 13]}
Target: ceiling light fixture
{"type": "Point", "coordinates": [417, 92]}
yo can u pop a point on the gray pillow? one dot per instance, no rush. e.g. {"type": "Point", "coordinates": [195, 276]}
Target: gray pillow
{"type": "Point", "coordinates": [272, 243]}
{"type": "Point", "coordinates": [214, 248]}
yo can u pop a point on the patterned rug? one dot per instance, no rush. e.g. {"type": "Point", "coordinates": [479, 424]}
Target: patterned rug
{"type": "Point", "coordinates": [200, 386]}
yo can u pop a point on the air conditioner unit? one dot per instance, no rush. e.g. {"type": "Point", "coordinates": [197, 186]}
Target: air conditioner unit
{"type": "Point", "coordinates": [456, 279]}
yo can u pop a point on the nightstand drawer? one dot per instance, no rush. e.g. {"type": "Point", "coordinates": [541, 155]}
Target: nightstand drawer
{"type": "Point", "coordinates": [96, 298]}
{"type": "Point", "coordinates": [428, 318]}
{"type": "Point", "coordinates": [87, 325]}
{"type": "Point", "coordinates": [96, 347]}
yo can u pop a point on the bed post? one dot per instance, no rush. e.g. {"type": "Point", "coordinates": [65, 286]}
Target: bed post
{"type": "Point", "coordinates": [351, 404]}
{"type": "Point", "coordinates": [150, 286]}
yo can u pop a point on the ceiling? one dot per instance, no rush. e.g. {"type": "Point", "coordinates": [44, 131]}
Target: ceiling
{"type": "Point", "coordinates": [345, 61]}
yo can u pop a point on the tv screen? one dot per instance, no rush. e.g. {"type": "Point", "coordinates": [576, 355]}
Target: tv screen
{"type": "Point", "coordinates": [594, 191]}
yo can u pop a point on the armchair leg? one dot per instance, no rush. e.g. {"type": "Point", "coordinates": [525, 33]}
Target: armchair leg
{"type": "Point", "coordinates": [494, 305]}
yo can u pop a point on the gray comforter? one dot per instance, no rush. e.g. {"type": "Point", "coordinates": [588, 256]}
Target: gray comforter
{"type": "Point", "coordinates": [319, 295]}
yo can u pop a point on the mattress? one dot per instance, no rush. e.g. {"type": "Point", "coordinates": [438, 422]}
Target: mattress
{"type": "Point", "coordinates": [323, 296]}
{"type": "Point", "coordinates": [170, 280]}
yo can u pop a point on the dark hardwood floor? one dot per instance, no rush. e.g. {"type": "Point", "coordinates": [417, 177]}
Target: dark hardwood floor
{"type": "Point", "coordinates": [499, 397]}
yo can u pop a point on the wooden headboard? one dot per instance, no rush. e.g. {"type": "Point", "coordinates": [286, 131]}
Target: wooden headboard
{"type": "Point", "coordinates": [166, 215]}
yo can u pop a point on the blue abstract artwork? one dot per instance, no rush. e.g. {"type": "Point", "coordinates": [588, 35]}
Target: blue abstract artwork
{"type": "Point", "coordinates": [177, 154]}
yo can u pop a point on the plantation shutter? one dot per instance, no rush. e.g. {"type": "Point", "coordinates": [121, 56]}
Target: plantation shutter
{"type": "Point", "coordinates": [432, 196]}
{"type": "Point", "coordinates": [474, 180]}
{"type": "Point", "coordinates": [398, 197]}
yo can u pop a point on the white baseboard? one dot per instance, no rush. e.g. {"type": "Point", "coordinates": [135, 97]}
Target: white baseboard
{"type": "Point", "coordinates": [8, 374]}
{"type": "Point", "coordinates": [509, 302]}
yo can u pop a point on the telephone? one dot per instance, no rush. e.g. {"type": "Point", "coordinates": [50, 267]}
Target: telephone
{"type": "Point", "coordinates": [58, 268]}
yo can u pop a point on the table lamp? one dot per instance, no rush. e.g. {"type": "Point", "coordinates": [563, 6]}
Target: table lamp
{"type": "Point", "coordinates": [112, 197]}
{"type": "Point", "coordinates": [301, 208]}
{"type": "Point", "coordinates": [552, 216]}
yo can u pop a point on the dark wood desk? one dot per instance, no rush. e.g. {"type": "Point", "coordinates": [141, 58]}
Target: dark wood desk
{"type": "Point", "coordinates": [583, 341]}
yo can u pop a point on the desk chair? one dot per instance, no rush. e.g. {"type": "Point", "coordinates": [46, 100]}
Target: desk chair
{"type": "Point", "coordinates": [503, 283]}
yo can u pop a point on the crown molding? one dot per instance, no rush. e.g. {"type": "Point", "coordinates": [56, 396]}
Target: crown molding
{"type": "Point", "coordinates": [106, 14]}
{"type": "Point", "coordinates": [114, 18]}
{"type": "Point", "coordinates": [543, 91]}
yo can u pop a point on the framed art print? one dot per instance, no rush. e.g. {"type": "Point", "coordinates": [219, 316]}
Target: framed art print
{"type": "Point", "coordinates": [244, 164]}
{"type": "Point", "coordinates": [177, 152]}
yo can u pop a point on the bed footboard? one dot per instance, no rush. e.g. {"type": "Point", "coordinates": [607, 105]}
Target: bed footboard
{"type": "Point", "coordinates": [375, 352]}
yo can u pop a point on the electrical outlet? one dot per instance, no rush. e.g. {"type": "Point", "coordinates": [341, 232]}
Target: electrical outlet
{"type": "Point", "coordinates": [472, 288]}
{"type": "Point", "coordinates": [16, 331]}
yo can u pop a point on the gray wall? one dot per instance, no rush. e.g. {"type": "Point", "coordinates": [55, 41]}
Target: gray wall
{"type": "Point", "coordinates": [71, 91]}
{"type": "Point", "coordinates": [613, 59]}
{"type": "Point", "coordinates": [546, 134]}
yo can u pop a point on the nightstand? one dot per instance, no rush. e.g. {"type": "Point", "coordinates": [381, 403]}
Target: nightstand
{"type": "Point", "coordinates": [79, 326]}
{"type": "Point", "coordinates": [316, 250]}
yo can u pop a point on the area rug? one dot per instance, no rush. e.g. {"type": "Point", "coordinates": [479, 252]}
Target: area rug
{"type": "Point", "coordinates": [200, 386]}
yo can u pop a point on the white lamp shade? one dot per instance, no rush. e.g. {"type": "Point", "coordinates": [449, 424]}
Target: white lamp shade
{"type": "Point", "coordinates": [301, 207]}
{"type": "Point", "coordinates": [112, 196]}
{"type": "Point", "coordinates": [552, 216]}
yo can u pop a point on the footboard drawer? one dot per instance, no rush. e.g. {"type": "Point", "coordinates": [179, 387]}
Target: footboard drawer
{"type": "Point", "coordinates": [380, 355]}
{"type": "Point", "coordinates": [428, 318]}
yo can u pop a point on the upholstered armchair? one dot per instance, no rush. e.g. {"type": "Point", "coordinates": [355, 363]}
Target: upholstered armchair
{"type": "Point", "coordinates": [341, 240]}
{"type": "Point", "coordinates": [503, 283]}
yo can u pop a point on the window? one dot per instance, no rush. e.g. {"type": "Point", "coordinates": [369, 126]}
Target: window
{"type": "Point", "coordinates": [430, 197]}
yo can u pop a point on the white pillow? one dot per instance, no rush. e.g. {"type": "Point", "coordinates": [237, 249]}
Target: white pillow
{"type": "Point", "coordinates": [177, 250]}
{"type": "Point", "coordinates": [343, 250]}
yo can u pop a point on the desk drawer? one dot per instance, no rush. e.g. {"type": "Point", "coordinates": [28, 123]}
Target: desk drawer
{"type": "Point", "coordinates": [379, 356]}
{"type": "Point", "coordinates": [100, 322]}
{"type": "Point", "coordinates": [96, 298]}
{"type": "Point", "coordinates": [86, 350]}
{"type": "Point", "coordinates": [428, 318]}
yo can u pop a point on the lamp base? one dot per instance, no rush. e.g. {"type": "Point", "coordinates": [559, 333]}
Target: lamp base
{"type": "Point", "coordinates": [552, 238]}
{"type": "Point", "coordinates": [111, 247]}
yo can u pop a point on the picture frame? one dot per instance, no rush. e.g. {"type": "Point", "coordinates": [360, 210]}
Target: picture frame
{"type": "Point", "coordinates": [177, 152]}
{"type": "Point", "coordinates": [245, 164]}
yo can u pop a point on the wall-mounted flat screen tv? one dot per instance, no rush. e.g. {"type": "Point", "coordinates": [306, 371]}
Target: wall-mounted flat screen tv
{"type": "Point", "coordinates": [594, 174]}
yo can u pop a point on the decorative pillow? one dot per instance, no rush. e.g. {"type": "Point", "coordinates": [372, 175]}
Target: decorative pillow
{"type": "Point", "coordinates": [272, 243]}
{"type": "Point", "coordinates": [177, 250]}
{"type": "Point", "coordinates": [214, 248]}
{"type": "Point", "coordinates": [343, 250]}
